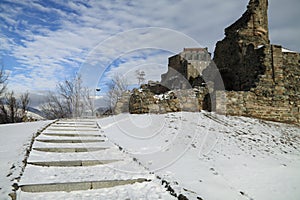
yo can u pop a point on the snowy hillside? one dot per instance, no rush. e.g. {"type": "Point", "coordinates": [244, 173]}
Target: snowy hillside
{"type": "Point", "coordinates": [211, 156]}
{"type": "Point", "coordinates": [15, 140]}
{"type": "Point", "coordinates": [197, 155]}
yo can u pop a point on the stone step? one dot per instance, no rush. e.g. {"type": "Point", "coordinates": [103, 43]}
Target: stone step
{"type": "Point", "coordinates": [75, 122]}
{"type": "Point", "coordinates": [72, 129]}
{"type": "Point", "coordinates": [74, 186]}
{"type": "Point", "coordinates": [68, 150]}
{"type": "Point", "coordinates": [68, 141]}
{"type": "Point", "coordinates": [71, 134]}
{"type": "Point", "coordinates": [94, 125]}
{"type": "Point", "coordinates": [73, 126]}
{"type": "Point", "coordinates": [72, 163]}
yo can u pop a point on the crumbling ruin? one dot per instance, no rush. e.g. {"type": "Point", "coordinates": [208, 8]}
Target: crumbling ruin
{"type": "Point", "coordinates": [185, 68]}
{"type": "Point", "coordinates": [260, 79]}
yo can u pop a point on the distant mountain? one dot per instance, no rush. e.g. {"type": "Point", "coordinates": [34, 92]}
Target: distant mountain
{"type": "Point", "coordinates": [103, 110]}
{"type": "Point", "coordinates": [36, 111]}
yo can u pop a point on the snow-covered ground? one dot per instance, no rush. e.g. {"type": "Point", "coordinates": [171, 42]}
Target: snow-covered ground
{"type": "Point", "coordinates": [96, 170]}
{"type": "Point", "coordinates": [213, 156]}
{"type": "Point", "coordinates": [14, 140]}
{"type": "Point", "coordinates": [201, 155]}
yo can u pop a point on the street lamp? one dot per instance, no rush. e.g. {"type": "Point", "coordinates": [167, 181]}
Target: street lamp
{"type": "Point", "coordinates": [95, 97]}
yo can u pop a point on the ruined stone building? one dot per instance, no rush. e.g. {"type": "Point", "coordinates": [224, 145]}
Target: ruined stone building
{"type": "Point", "coordinates": [239, 55]}
{"type": "Point", "coordinates": [261, 79]}
{"type": "Point", "coordinates": [184, 67]}
{"type": "Point", "coordinates": [258, 79]}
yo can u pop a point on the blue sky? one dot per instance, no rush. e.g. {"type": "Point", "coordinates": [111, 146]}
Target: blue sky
{"type": "Point", "coordinates": [45, 41]}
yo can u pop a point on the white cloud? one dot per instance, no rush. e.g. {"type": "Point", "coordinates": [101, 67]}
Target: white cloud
{"type": "Point", "coordinates": [152, 65]}
{"type": "Point", "coordinates": [49, 54]}
{"type": "Point", "coordinates": [133, 41]}
{"type": "Point", "coordinates": [5, 43]}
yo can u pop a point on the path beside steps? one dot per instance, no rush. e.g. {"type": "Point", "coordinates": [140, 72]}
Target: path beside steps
{"type": "Point", "coordinates": [72, 160]}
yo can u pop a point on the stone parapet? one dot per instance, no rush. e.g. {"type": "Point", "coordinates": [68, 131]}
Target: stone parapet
{"type": "Point", "coordinates": [144, 101]}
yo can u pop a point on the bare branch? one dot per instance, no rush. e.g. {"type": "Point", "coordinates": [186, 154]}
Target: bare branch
{"type": "Point", "coordinates": [71, 100]}
{"type": "Point", "coordinates": [117, 86]}
{"type": "Point", "coordinates": [140, 75]}
{"type": "Point", "coordinates": [24, 100]}
{"type": "Point", "coordinates": [3, 80]}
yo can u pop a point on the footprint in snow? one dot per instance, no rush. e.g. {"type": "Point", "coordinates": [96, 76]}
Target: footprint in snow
{"type": "Point", "coordinates": [214, 171]}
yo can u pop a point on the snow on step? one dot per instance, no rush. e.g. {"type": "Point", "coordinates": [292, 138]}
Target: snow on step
{"type": "Point", "coordinates": [63, 132]}
{"type": "Point", "coordinates": [68, 134]}
{"type": "Point", "coordinates": [111, 153]}
{"type": "Point", "coordinates": [68, 141]}
{"type": "Point", "coordinates": [76, 121]}
{"type": "Point", "coordinates": [79, 143]}
{"type": "Point", "coordinates": [72, 163]}
{"type": "Point", "coordinates": [68, 160]}
{"type": "Point", "coordinates": [113, 171]}
{"type": "Point", "coordinates": [75, 125]}
{"type": "Point", "coordinates": [75, 186]}
{"type": "Point", "coordinates": [65, 150]}
{"type": "Point", "coordinates": [69, 147]}
{"type": "Point", "coordinates": [144, 190]}
{"type": "Point", "coordinates": [71, 129]}
{"type": "Point", "coordinates": [59, 136]}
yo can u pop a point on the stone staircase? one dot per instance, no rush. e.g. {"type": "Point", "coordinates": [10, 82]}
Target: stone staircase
{"type": "Point", "coordinates": [71, 157]}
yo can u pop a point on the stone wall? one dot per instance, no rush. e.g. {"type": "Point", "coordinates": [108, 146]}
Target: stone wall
{"type": "Point", "coordinates": [184, 66]}
{"type": "Point", "coordinates": [122, 105]}
{"type": "Point", "coordinates": [178, 63]}
{"type": "Point", "coordinates": [276, 96]}
{"type": "Point", "coordinates": [144, 101]}
{"type": "Point", "coordinates": [239, 56]}
{"type": "Point", "coordinates": [262, 80]}
{"type": "Point", "coordinates": [252, 26]}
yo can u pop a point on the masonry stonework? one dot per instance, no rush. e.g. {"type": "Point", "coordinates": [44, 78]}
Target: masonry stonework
{"type": "Point", "coordinates": [122, 105]}
{"type": "Point", "coordinates": [262, 80]}
{"type": "Point", "coordinates": [184, 67]}
{"type": "Point", "coordinates": [144, 101]}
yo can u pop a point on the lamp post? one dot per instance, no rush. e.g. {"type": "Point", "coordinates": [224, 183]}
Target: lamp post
{"type": "Point", "coordinates": [96, 90]}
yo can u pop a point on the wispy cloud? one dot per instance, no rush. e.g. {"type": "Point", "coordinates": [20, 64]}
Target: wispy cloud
{"type": "Point", "coordinates": [55, 39]}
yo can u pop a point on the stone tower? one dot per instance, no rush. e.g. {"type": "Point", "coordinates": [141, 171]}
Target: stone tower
{"type": "Point", "coordinates": [237, 56]}
{"type": "Point", "coordinates": [252, 27]}
{"type": "Point", "coordinates": [185, 67]}
{"type": "Point", "coordinates": [261, 79]}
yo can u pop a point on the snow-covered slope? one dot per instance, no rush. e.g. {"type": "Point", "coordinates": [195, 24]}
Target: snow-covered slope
{"type": "Point", "coordinates": [212, 157]}
{"type": "Point", "coordinates": [14, 140]}
{"type": "Point", "coordinates": [71, 159]}
{"type": "Point", "coordinates": [201, 155]}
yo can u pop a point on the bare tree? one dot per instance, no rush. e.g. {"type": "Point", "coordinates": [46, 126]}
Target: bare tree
{"type": "Point", "coordinates": [140, 75]}
{"type": "Point", "coordinates": [13, 110]}
{"type": "Point", "coordinates": [4, 116]}
{"type": "Point", "coordinates": [55, 107]}
{"type": "Point", "coordinates": [10, 111]}
{"type": "Point", "coordinates": [89, 101]}
{"type": "Point", "coordinates": [3, 111]}
{"type": "Point", "coordinates": [66, 99]}
{"type": "Point", "coordinates": [3, 80]}
{"type": "Point", "coordinates": [79, 96]}
{"type": "Point", "coordinates": [24, 102]}
{"type": "Point", "coordinates": [116, 87]}
{"type": "Point", "coordinates": [12, 106]}
{"type": "Point", "coordinates": [71, 100]}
